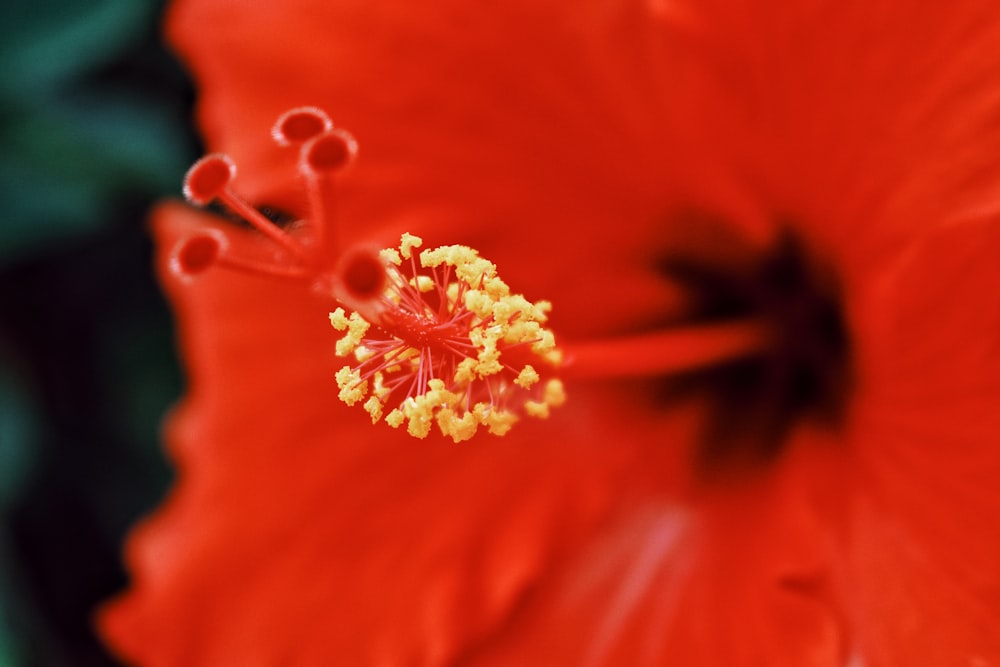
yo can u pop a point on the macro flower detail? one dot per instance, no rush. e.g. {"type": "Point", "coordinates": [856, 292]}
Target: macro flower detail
{"type": "Point", "coordinates": [444, 333]}
{"type": "Point", "coordinates": [769, 232]}
{"type": "Point", "coordinates": [447, 341]}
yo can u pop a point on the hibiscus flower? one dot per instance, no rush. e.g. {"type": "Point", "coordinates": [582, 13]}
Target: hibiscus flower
{"type": "Point", "coordinates": [821, 493]}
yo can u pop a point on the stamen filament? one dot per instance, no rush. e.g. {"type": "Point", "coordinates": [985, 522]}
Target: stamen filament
{"type": "Point", "coordinates": [392, 354]}
{"type": "Point", "coordinates": [665, 352]}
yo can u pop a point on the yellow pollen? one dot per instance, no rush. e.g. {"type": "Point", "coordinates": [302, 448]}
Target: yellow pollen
{"type": "Point", "coordinates": [450, 347]}
{"type": "Point", "coordinates": [499, 422]}
{"type": "Point", "coordinates": [555, 393]}
{"type": "Point", "coordinates": [423, 283]}
{"type": "Point", "coordinates": [352, 387]}
{"type": "Point", "coordinates": [373, 406]}
{"type": "Point", "coordinates": [479, 303]}
{"type": "Point", "coordinates": [395, 418]}
{"type": "Point", "coordinates": [527, 377]}
{"type": "Point", "coordinates": [356, 328]}
{"type": "Point", "coordinates": [407, 243]}
{"type": "Point", "coordinates": [391, 255]}
{"type": "Point", "coordinates": [459, 428]}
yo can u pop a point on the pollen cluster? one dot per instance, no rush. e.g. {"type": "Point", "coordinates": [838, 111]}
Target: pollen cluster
{"type": "Point", "coordinates": [447, 343]}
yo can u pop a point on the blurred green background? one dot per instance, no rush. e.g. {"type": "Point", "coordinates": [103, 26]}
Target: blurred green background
{"type": "Point", "coordinates": [94, 126]}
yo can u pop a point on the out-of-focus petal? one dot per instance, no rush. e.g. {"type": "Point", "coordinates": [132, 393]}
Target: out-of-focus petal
{"type": "Point", "coordinates": [737, 576]}
{"type": "Point", "coordinates": [924, 546]}
{"type": "Point", "coordinates": [862, 123]}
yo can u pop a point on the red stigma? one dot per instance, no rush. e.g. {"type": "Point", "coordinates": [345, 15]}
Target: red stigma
{"type": "Point", "coordinates": [296, 126]}
{"type": "Point", "coordinates": [330, 151]}
{"type": "Point", "coordinates": [363, 274]}
{"type": "Point", "coordinates": [208, 178]}
{"type": "Point", "coordinates": [196, 254]}
{"type": "Point", "coordinates": [311, 246]}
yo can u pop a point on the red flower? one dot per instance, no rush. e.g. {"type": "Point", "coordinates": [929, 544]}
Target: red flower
{"type": "Point", "coordinates": [825, 171]}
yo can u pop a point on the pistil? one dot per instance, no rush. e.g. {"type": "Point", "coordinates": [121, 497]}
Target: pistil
{"type": "Point", "coordinates": [675, 350]}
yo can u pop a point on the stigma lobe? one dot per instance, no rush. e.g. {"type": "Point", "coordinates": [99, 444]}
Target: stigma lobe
{"type": "Point", "coordinates": [324, 151]}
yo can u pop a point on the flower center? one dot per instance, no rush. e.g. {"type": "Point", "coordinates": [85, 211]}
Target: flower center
{"type": "Point", "coordinates": [803, 372]}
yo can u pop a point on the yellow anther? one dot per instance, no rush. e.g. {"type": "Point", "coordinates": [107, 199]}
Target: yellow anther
{"type": "Point", "coordinates": [553, 357]}
{"type": "Point", "coordinates": [356, 327]}
{"type": "Point", "coordinates": [419, 416]}
{"type": "Point", "coordinates": [489, 363]}
{"type": "Point", "coordinates": [458, 428]}
{"type": "Point", "coordinates": [500, 422]}
{"type": "Point", "coordinates": [523, 332]}
{"type": "Point", "coordinates": [390, 256]}
{"type": "Point", "coordinates": [423, 283]}
{"type": "Point", "coordinates": [553, 396]}
{"type": "Point", "coordinates": [373, 407]}
{"type": "Point", "coordinates": [527, 377]}
{"type": "Point", "coordinates": [352, 387]}
{"type": "Point", "coordinates": [546, 343]}
{"type": "Point", "coordinates": [539, 409]}
{"type": "Point", "coordinates": [338, 319]}
{"type": "Point", "coordinates": [395, 418]}
{"type": "Point", "coordinates": [496, 288]}
{"type": "Point", "coordinates": [465, 372]}
{"type": "Point", "coordinates": [434, 258]}
{"type": "Point", "coordinates": [542, 310]}
{"type": "Point", "coordinates": [555, 393]}
{"type": "Point", "coordinates": [479, 303]}
{"type": "Point", "coordinates": [407, 243]}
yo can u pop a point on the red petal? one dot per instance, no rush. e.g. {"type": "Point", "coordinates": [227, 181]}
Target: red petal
{"type": "Point", "coordinates": [740, 576]}
{"type": "Point", "coordinates": [925, 547]}
{"type": "Point", "coordinates": [864, 122]}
